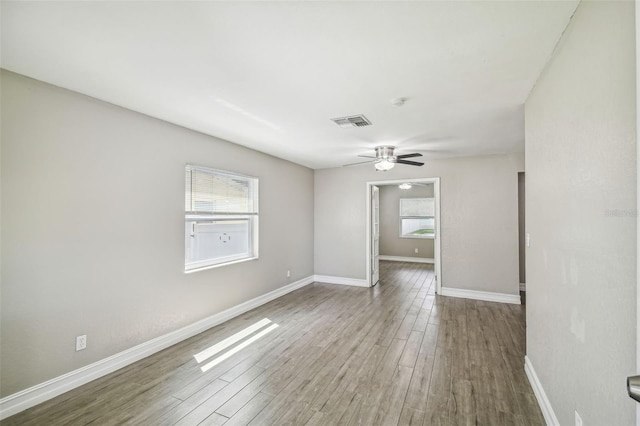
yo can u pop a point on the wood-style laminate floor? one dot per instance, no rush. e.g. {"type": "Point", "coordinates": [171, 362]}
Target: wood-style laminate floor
{"type": "Point", "coordinates": [393, 354]}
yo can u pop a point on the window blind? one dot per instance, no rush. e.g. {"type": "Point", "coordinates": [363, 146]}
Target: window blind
{"type": "Point", "coordinates": [211, 192]}
{"type": "Point", "coordinates": [417, 207]}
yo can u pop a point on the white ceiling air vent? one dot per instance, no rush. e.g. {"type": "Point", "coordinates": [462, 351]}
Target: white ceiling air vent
{"type": "Point", "coordinates": [352, 121]}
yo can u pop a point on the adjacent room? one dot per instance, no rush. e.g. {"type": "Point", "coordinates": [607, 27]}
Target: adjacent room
{"type": "Point", "coordinates": [318, 213]}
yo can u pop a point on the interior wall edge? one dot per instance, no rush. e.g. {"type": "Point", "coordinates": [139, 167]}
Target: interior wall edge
{"type": "Point", "coordinates": [326, 279]}
{"type": "Point", "coordinates": [541, 396]}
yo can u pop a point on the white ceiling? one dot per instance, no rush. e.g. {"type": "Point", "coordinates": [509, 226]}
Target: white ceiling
{"type": "Point", "coordinates": [271, 75]}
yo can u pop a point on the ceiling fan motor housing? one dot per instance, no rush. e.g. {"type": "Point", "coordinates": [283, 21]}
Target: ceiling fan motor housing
{"type": "Point", "coordinates": [385, 152]}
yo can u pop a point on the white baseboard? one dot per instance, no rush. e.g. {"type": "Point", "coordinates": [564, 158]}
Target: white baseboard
{"type": "Point", "coordinates": [543, 401]}
{"type": "Point", "coordinates": [34, 395]}
{"type": "Point", "coordinates": [407, 259]}
{"type": "Point", "coordinates": [340, 280]}
{"type": "Point", "coordinates": [523, 286]}
{"type": "Point", "coordinates": [481, 295]}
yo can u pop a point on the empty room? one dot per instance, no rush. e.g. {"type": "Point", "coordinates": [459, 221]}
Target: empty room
{"type": "Point", "coordinates": [319, 213]}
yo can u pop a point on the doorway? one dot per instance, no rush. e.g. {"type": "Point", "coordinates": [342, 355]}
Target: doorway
{"type": "Point", "coordinates": [375, 236]}
{"type": "Point", "coordinates": [373, 227]}
{"type": "Point", "coordinates": [522, 245]}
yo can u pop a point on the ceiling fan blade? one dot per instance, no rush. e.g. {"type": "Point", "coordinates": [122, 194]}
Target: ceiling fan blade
{"type": "Point", "coordinates": [359, 162]}
{"type": "Point", "coordinates": [411, 163]}
{"type": "Point", "coordinates": [415, 154]}
{"type": "Point", "coordinates": [367, 156]}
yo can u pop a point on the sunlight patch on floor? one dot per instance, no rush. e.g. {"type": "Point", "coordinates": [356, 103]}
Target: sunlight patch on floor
{"type": "Point", "coordinates": [230, 341]}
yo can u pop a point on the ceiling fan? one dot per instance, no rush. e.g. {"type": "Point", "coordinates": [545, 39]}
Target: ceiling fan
{"type": "Point", "coordinates": [385, 160]}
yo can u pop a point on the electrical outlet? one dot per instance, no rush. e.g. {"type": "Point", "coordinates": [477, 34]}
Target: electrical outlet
{"type": "Point", "coordinates": [416, 251]}
{"type": "Point", "coordinates": [81, 342]}
{"type": "Point", "coordinates": [578, 419]}
{"type": "Point", "coordinates": [288, 273]}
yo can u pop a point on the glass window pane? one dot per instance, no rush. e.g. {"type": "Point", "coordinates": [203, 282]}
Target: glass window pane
{"type": "Point", "coordinates": [418, 227]}
{"type": "Point", "coordinates": [219, 241]}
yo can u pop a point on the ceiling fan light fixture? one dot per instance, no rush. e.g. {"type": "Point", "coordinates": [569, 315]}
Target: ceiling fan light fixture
{"type": "Point", "coordinates": [404, 186]}
{"type": "Point", "coordinates": [384, 165]}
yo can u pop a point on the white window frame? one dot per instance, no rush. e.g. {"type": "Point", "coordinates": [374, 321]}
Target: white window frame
{"type": "Point", "coordinates": [196, 217]}
{"type": "Point", "coordinates": [416, 216]}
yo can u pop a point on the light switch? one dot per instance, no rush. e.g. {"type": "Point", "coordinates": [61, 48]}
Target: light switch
{"type": "Point", "coordinates": [528, 240]}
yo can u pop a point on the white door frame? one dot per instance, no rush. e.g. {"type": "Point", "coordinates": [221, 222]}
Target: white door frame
{"type": "Point", "coordinates": [436, 242]}
{"type": "Point", "coordinates": [374, 248]}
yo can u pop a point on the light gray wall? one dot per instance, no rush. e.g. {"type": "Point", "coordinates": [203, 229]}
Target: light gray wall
{"type": "Point", "coordinates": [93, 233]}
{"type": "Point", "coordinates": [390, 242]}
{"type": "Point", "coordinates": [479, 219]}
{"type": "Point", "coordinates": [581, 214]}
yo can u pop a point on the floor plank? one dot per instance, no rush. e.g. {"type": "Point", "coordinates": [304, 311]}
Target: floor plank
{"type": "Point", "coordinates": [395, 354]}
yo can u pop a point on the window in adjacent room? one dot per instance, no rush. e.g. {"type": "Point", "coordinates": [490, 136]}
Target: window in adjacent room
{"type": "Point", "coordinates": [417, 218]}
{"type": "Point", "coordinates": [221, 218]}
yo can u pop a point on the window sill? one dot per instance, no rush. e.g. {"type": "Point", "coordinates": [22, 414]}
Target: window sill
{"type": "Point", "coordinates": [421, 237]}
{"type": "Point", "coordinates": [217, 265]}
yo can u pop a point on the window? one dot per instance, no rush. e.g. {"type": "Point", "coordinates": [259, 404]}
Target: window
{"type": "Point", "coordinates": [221, 218]}
{"type": "Point", "coordinates": [417, 218]}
